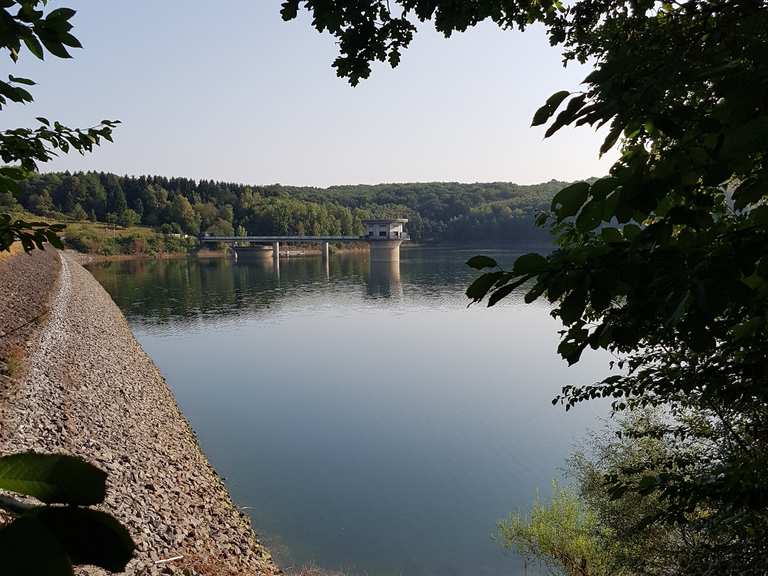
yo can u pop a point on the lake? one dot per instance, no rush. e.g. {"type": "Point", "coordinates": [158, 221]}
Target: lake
{"type": "Point", "coordinates": [368, 420]}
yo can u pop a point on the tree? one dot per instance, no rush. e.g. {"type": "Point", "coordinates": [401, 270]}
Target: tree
{"type": "Point", "coordinates": [78, 213]}
{"type": "Point", "coordinates": [183, 214]}
{"type": "Point", "coordinates": [564, 534]}
{"type": "Point", "coordinates": [220, 227]}
{"type": "Point", "coordinates": [664, 261]}
{"type": "Point", "coordinates": [128, 218]}
{"type": "Point", "coordinates": [116, 201]}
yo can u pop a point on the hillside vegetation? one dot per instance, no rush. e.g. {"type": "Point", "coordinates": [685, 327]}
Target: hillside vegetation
{"type": "Point", "coordinates": [495, 212]}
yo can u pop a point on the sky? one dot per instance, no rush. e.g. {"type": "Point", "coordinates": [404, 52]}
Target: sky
{"type": "Point", "coordinates": [228, 91]}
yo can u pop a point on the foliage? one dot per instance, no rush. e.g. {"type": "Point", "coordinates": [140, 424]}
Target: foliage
{"type": "Point", "coordinates": [498, 212]}
{"type": "Point", "coordinates": [590, 519]}
{"type": "Point", "coordinates": [563, 533]}
{"type": "Point", "coordinates": [23, 24]}
{"type": "Point", "coordinates": [374, 32]}
{"type": "Point", "coordinates": [50, 538]}
{"type": "Point", "coordinates": [663, 262]}
{"type": "Point", "coordinates": [639, 547]}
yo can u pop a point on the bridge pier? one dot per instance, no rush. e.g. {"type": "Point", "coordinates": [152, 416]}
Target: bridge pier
{"type": "Point", "coordinates": [385, 250]}
{"type": "Point", "coordinates": [276, 250]}
{"type": "Point", "coordinates": [324, 250]}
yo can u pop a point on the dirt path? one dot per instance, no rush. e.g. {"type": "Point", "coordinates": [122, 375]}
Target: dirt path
{"type": "Point", "coordinates": [91, 390]}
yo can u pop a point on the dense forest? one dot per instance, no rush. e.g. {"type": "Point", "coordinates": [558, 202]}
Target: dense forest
{"type": "Point", "coordinates": [499, 212]}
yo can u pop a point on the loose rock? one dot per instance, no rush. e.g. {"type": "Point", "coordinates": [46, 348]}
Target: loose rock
{"type": "Point", "coordinates": [89, 389]}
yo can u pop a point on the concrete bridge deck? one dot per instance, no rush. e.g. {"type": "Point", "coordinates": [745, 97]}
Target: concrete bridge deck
{"type": "Point", "coordinates": [302, 239]}
{"type": "Point", "coordinates": [384, 236]}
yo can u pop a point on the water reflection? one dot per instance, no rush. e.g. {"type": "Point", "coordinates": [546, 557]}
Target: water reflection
{"type": "Point", "coordinates": [192, 292]}
{"type": "Point", "coordinates": [367, 418]}
{"type": "Point", "coordinates": [384, 280]}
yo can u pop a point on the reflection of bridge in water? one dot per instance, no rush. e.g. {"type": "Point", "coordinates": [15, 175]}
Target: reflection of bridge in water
{"type": "Point", "coordinates": [383, 236]}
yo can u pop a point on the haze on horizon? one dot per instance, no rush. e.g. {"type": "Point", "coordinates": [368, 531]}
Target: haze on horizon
{"type": "Point", "coordinates": [238, 95]}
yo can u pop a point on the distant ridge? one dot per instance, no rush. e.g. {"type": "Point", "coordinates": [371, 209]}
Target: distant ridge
{"type": "Point", "coordinates": [442, 211]}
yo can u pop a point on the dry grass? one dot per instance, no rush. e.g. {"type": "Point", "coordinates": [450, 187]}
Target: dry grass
{"type": "Point", "coordinates": [14, 361]}
{"type": "Point", "coordinates": [312, 570]}
{"type": "Point", "coordinates": [196, 564]}
{"type": "Point", "coordinates": [15, 249]}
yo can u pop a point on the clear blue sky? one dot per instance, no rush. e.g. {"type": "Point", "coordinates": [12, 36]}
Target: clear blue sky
{"type": "Point", "coordinates": [228, 91]}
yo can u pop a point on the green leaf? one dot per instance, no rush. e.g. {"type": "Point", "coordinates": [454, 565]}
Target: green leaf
{"type": "Point", "coordinates": [18, 80]}
{"type": "Point", "coordinates": [530, 264]}
{"type": "Point", "coordinates": [28, 547]}
{"type": "Point", "coordinates": [480, 287]}
{"type": "Point", "coordinates": [480, 262]}
{"type": "Point", "coordinates": [13, 172]}
{"type": "Point", "coordinates": [68, 40]}
{"type": "Point", "coordinates": [89, 536]}
{"type": "Point", "coordinates": [601, 188]}
{"type": "Point", "coordinates": [550, 107]}
{"type": "Point", "coordinates": [568, 115]}
{"type": "Point", "coordinates": [54, 239]}
{"type": "Point", "coordinates": [34, 46]}
{"type": "Point", "coordinates": [611, 235]}
{"type": "Point", "coordinates": [9, 185]}
{"type": "Point", "coordinates": [568, 201]}
{"type": "Point", "coordinates": [61, 14]}
{"type": "Point", "coordinates": [613, 136]}
{"type": "Point", "coordinates": [590, 216]}
{"type": "Point", "coordinates": [749, 192]}
{"type": "Point", "coordinates": [631, 231]}
{"type": "Point", "coordinates": [53, 478]}
{"type": "Point", "coordinates": [647, 484]}
{"type": "Point", "coordinates": [506, 290]}
{"type": "Point", "coordinates": [53, 44]}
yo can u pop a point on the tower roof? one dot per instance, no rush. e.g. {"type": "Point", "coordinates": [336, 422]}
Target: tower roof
{"type": "Point", "coordinates": [385, 221]}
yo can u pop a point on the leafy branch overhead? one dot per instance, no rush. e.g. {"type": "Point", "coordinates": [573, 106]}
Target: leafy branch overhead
{"type": "Point", "coordinates": [26, 26]}
{"type": "Point", "coordinates": [379, 30]}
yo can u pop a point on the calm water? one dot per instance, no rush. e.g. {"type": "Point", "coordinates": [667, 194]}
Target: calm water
{"type": "Point", "coordinates": [367, 419]}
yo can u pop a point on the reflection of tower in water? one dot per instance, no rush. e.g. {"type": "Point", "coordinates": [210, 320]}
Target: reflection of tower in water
{"type": "Point", "coordinates": [384, 279]}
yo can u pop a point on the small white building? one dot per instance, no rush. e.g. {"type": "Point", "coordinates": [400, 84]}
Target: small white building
{"type": "Point", "coordinates": [384, 237]}
{"type": "Point", "coordinates": [385, 229]}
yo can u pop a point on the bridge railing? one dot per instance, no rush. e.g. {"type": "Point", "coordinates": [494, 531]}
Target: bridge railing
{"type": "Point", "coordinates": [303, 239]}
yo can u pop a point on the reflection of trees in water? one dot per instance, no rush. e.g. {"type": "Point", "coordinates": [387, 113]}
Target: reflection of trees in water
{"type": "Point", "coordinates": [157, 291]}
{"type": "Point", "coordinates": [190, 291]}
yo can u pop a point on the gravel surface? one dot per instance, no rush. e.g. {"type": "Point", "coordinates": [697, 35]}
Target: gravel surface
{"type": "Point", "coordinates": [89, 389]}
{"type": "Point", "coordinates": [26, 285]}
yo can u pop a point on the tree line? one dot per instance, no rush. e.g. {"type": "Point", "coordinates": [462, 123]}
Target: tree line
{"type": "Point", "coordinates": [499, 212]}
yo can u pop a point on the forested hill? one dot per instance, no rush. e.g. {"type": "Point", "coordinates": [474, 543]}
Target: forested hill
{"type": "Point", "coordinates": [499, 211]}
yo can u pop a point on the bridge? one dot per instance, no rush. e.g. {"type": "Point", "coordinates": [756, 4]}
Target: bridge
{"type": "Point", "coordinates": [384, 236]}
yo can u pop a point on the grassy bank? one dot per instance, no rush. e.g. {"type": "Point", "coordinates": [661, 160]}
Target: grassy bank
{"type": "Point", "coordinates": [98, 238]}
{"type": "Point", "coordinates": [109, 240]}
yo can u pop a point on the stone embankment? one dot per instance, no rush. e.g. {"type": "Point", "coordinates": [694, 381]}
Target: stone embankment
{"type": "Point", "coordinates": [87, 388]}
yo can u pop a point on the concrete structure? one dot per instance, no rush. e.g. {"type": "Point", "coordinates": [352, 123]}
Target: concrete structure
{"type": "Point", "coordinates": [383, 235]}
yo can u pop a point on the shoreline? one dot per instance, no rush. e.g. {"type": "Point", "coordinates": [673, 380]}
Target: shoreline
{"type": "Point", "coordinates": [86, 258]}
{"type": "Point", "coordinates": [88, 388]}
